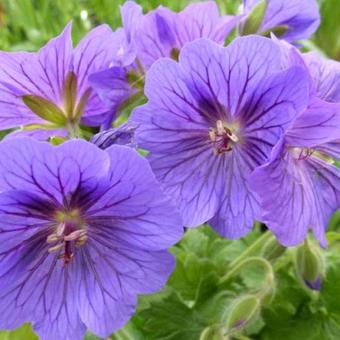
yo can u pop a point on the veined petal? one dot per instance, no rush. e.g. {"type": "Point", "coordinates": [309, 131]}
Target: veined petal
{"type": "Point", "coordinates": [318, 124]}
{"type": "Point", "coordinates": [134, 204]}
{"type": "Point", "coordinates": [271, 110]}
{"type": "Point", "coordinates": [34, 166]}
{"type": "Point", "coordinates": [122, 135]}
{"type": "Point", "coordinates": [112, 87]}
{"type": "Point", "coordinates": [300, 17]}
{"type": "Point", "coordinates": [93, 53]}
{"type": "Point", "coordinates": [326, 76]}
{"type": "Point", "coordinates": [229, 76]}
{"type": "Point", "coordinates": [306, 192]}
{"type": "Point", "coordinates": [202, 20]}
{"type": "Point", "coordinates": [239, 206]}
{"type": "Point", "coordinates": [156, 36]}
{"type": "Point", "coordinates": [112, 274]}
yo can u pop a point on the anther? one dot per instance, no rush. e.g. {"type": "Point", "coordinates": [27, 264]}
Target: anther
{"type": "Point", "coordinates": [56, 247]}
{"type": "Point", "coordinates": [75, 235]}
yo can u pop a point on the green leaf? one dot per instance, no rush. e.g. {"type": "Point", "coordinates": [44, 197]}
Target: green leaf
{"type": "Point", "coordinates": [24, 332]}
{"type": "Point", "coordinates": [45, 109]}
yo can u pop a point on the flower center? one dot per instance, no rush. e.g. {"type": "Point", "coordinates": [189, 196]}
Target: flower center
{"type": "Point", "coordinates": [301, 153]}
{"type": "Point", "coordinates": [305, 153]}
{"type": "Point", "coordinates": [222, 137]}
{"type": "Point", "coordinates": [70, 233]}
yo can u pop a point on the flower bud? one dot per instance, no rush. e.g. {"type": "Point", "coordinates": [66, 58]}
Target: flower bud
{"type": "Point", "coordinates": [212, 333]}
{"type": "Point", "coordinates": [242, 311]}
{"type": "Point", "coordinates": [272, 250]}
{"type": "Point", "coordinates": [310, 265]}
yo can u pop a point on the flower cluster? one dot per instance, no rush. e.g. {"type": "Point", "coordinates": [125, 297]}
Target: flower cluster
{"type": "Point", "coordinates": [237, 134]}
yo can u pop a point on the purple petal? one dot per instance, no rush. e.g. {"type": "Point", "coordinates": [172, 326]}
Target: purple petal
{"type": "Point", "coordinates": [142, 214]}
{"type": "Point", "coordinates": [317, 125]}
{"type": "Point", "coordinates": [202, 20]}
{"type": "Point", "coordinates": [300, 16]}
{"type": "Point", "coordinates": [131, 14]}
{"type": "Point", "coordinates": [326, 76]}
{"type": "Point", "coordinates": [244, 63]}
{"type": "Point", "coordinates": [41, 168]}
{"type": "Point", "coordinates": [107, 302]}
{"type": "Point", "coordinates": [112, 87]}
{"type": "Point", "coordinates": [41, 74]}
{"type": "Point", "coordinates": [122, 135]}
{"type": "Point", "coordinates": [306, 191]}
{"type": "Point", "coordinates": [332, 149]}
{"type": "Point", "coordinates": [94, 53]}
{"type": "Point", "coordinates": [156, 36]}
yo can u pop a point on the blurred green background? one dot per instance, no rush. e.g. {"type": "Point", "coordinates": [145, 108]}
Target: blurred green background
{"type": "Point", "coordinates": [28, 24]}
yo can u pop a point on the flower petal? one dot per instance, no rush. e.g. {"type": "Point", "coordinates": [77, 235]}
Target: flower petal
{"type": "Point", "coordinates": [326, 76]}
{"type": "Point", "coordinates": [301, 17]}
{"type": "Point", "coordinates": [38, 167]}
{"type": "Point", "coordinates": [135, 205]}
{"type": "Point", "coordinates": [317, 125]}
{"type": "Point", "coordinates": [306, 194]}
{"type": "Point", "coordinates": [229, 75]}
{"type": "Point", "coordinates": [112, 274]}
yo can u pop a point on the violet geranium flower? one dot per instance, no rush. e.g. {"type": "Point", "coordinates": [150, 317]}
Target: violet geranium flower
{"type": "Point", "coordinates": [147, 38]}
{"type": "Point", "coordinates": [47, 93]}
{"type": "Point", "coordinates": [82, 232]}
{"type": "Point", "coordinates": [211, 119]}
{"type": "Point", "coordinates": [290, 20]}
{"type": "Point", "coordinates": [301, 173]}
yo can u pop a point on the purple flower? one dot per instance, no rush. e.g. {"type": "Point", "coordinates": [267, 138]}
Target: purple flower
{"type": "Point", "coordinates": [147, 38]}
{"type": "Point", "coordinates": [82, 232]}
{"type": "Point", "coordinates": [211, 119]}
{"type": "Point", "coordinates": [49, 90]}
{"type": "Point", "coordinates": [290, 20]}
{"type": "Point", "coordinates": [301, 173]}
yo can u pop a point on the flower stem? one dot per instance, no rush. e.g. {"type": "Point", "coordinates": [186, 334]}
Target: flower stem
{"type": "Point", "coordinates": [252, 249]}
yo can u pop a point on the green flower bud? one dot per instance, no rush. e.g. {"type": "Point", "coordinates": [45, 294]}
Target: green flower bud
{"type": "Point", "coordinates": [310, 265]}
{"type": "Point", "coordinates": [242, 312]}
{"type": "Point", "coordinates": [272, 250]}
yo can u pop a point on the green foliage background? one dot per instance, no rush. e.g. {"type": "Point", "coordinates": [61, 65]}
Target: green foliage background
{"type": "Point", "coordinates": [193, 299]}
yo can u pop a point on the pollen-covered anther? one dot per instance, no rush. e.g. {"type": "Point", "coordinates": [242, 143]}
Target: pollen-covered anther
{"type": "Point", "coordinates": [222, 137]}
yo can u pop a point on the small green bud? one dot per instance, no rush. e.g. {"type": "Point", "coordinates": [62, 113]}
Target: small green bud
{"type": "Point", "coordinates": [45, 109]}
{"type": "Point", "coordinates": [272, 250]}
{"type": "Point", "coordinates": [255, 18]}
{"type": "Point", "coordinates": [212, 333]}
{"type": "Point", "coordinates": [310, 265]}
{"type": "Point", "coordinates": [242, 312]}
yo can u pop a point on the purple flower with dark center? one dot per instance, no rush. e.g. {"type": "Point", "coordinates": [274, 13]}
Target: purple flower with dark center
{"type": "Point", "coordinates": [289, 20]}
{"type": "Point", "coordinates": [47, 93]}
{"type": "Point", "coordinates": [147, 38]}
{"type": "Point", "coordinates": [82, 232]}
{"type": "Point", "coordinates": [211, 119]}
